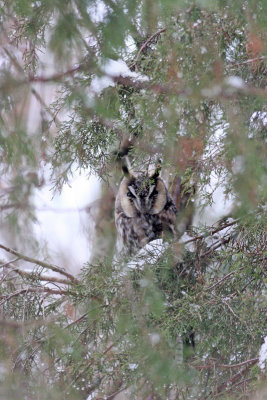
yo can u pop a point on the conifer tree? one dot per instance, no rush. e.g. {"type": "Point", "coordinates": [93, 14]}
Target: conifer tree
{"type": "Point", "coordinates": [85, 83]}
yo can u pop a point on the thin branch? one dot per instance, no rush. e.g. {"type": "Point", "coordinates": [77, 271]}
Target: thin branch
{"type": "Point", "coordinates": [235, 378]}
{"type": "Point", "coordinates": [9, 262]}
{"type": "Point", "coordinates": [228, 366]}
{"type": "Point", "coordinates": [77, 320]}
{"type": "Point", "coordinates": [156, 88]}
{"type": "Point", "coordinates": [231, 310]}
{"type": "Point", "coordinates": [252, 360]}
{"type": "Point", "coordinates": [33, 290]}
{"type": "Point", "coordinates": [212, 249]}
{"type": "Point", "coordinates": [4, 207]}
{"type": "Point", "coordinates": [14, 61]}
{"type": "Point", "coordinates": [34, 92]}
{"type": "Point", "coordinates": [10, 324]}
{"type": "Point", "coordinates": [55, 77]}
{"type": "Point", "coordinates": [111, 396]}
{"type": "Point", "coordinates": [175, 90]}
{"type": "Point", "coordinates": [38, 262]}
{"type": "Point", "coordinates": [41, 101]}
{"type": "Point", "coordinates": [27, 324]}
{"type": "Point", "coordinates": [35, 276]}
{"type": "Point", "coordinates": [145, 45]}
{"type": "Point", "coordinates": [90, 362]}
{"type": "Point", "coordinates": [227, 390]}
{"type": "Point", "coordinates": [223, 279]}
{"type": "Point", "coordinates": [251, 60]}
{"type": "Point", "coordinates": [211, 233]}
{"type": "Point", "coordinates": [109, 348]}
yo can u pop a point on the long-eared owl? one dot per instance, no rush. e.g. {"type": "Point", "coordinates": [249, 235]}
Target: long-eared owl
{"type": "Point", "coordinates": [143, 210]}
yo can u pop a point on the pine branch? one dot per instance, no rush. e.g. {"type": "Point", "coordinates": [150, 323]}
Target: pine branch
{"type": "Point", "coordinates": [219, 282]}
{"type": "Point", "coordinates": [223, 93]}
{"type": "Point", "coordinates": [56, 77]}
{"type": "Point", "coordinates": [251, 60]}
{"type": "Point", "coordinates": [214, 364]}
{"type": "Point", "coordinates": [21, 325]}
{"type": "Point", "coordinates": [34, 91]}
{"type": "Point", "coordinates": [35, 276]}
{"type": "Point", "coordinates": [41, 263]}
{"type": "Point", "coordinates": [220, 228]}
{"type": "Point", "coordinates": [235, 378]}
{"type": "Point", "coordinates": [213, 248]}
{"type": "Point", "coordinates": [33, 290]}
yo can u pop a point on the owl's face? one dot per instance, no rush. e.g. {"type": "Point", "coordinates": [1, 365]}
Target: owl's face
{"type": "Point", "coordinates": [143, 195]}
{"type": "Point", "coordinates": [143, 210]}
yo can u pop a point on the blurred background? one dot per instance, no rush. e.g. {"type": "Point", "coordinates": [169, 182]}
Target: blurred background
{"type": "Point", "coordinates": [85, 84]}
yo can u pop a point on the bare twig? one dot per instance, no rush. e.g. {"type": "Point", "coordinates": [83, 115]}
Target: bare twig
{"type": "Point", "coordinates": [235, 378]}
{"type": "Point", "coordinates": [230, 383]}
{"type": "Point", "coordinates": [212, 249]}
{"type": "Point", "coordinates": [10, 324]}
{"type": "Point", "coordinates": [178, 90]}
{"type": "Point", "coordinates": [252, 360]}
{"type": "Point", "coordinates": [214, 363]}
{"type": "Point", "coordinates": [55, 77]}
{"type": "Point", "coordinates": [211, 233]}
{"type": "Point", "coordinates": [33, 275]}
{"type": "Point", "coordinates": [34, 92]}
{"type": "Point", "coordinates": [231, 310]}
{"type": "Point", "coordinates": [6, 264]}
{"type": "Point", "coordinates": [77, 320]}
{"type": "Point", "coordinates": [251, 60]}
{"type": "Point", "coordinates": [90, 362]}
{"type": "Point", "coordinates": [33, 290]}
{"type": "Point", "coordinates": [227, 390]}
{"type": "Point", "coordinates": [145, 45]}
{"type": "Point", "coordinates": [38, 262]}
{"type": "Point", "coordinates": [113, 395]}
{"type": "Point", "coordinates": [41, 101]}
{"type": "Point", "coordinates": [109, 348]}
{"type": "Point", "coordinates": [154, 87]}
{"type": "Point", "coordinates": [11, 205]}
{"type": "Point", "coordinates": [26, 324]}
{"type": "Point", "coordinates": [175, 90]}
{"type": "Point", "coordinates": [14, 61]}
{"type": "Point", "coordinates": [223, 279]}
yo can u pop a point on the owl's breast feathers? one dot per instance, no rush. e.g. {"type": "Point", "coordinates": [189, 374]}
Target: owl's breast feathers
{"type": "Point", "coordinates": [142, 228]}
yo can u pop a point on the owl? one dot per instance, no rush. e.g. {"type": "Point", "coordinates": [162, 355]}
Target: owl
{"type": "Point", "coordinates": [143, 210]}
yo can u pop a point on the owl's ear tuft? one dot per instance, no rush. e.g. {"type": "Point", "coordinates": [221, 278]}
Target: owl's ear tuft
{"type": "Point", "coordinates": [127, 169]}
{"type": "Point", "coordinates": [126, 204]}
{"type": "Point", "coordinates": [161, 198]}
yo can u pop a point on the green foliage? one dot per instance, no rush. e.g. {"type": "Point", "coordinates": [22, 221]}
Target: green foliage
{"type": "Point", "coordinates": [196, 99]}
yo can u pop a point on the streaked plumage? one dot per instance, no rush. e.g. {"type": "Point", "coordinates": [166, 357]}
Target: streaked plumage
{"type": "Point", "coordinates": [143, 210]}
